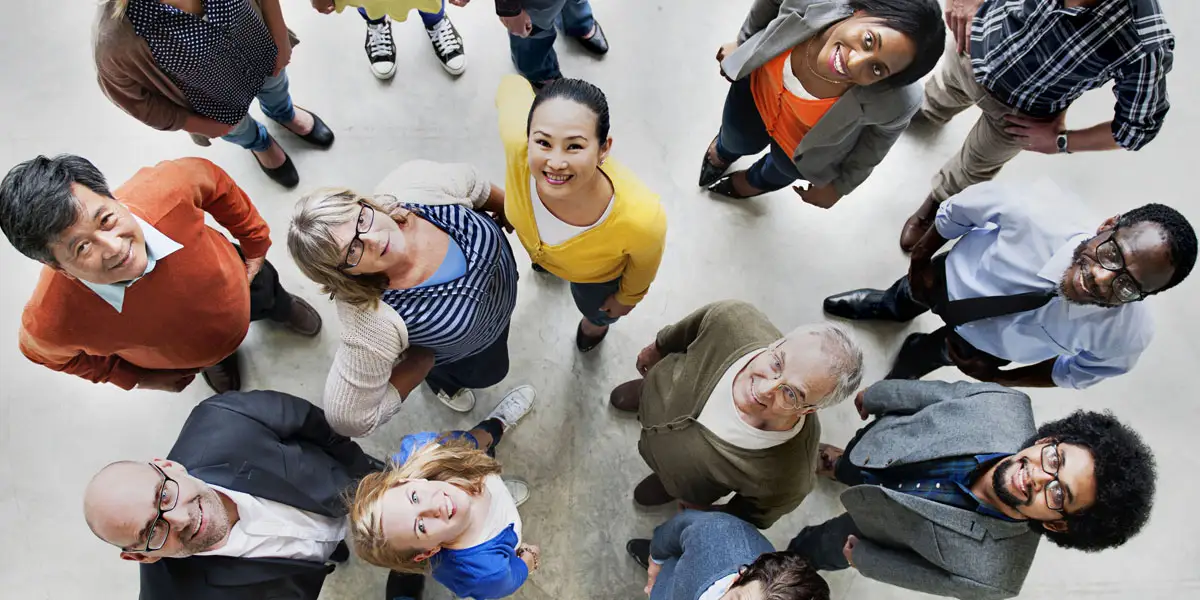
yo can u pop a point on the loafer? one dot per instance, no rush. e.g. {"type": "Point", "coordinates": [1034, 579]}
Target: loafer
{"type": "Point", "coordinates": [651, 492]}
{"type": "Point", "coordinates": [284, 174]}
{"type": "Point", "coordinates": [304, 319]}
{"type": "Point", "coordinates": [321, 135]}
{"type": "Point", "coordinates": [225, 376]}
{"type": "Point", "coordinates": [863, 304]}
{"type": "Point", "coordinates": [917, 224]}
{"type": "Point", "coordinates": [585, 342]}
{"type": "Point", "coordinates": [639, 551]}
{"type": "Point", "coordinates": [913, 361]}
{"type": "Point", "coordinates": [596, 44]}
{"type": "Point", "coordinates": [627, 396]}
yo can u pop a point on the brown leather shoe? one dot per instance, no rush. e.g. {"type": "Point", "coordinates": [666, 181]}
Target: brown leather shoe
{"type": "Point", "coordinates": [627, 396]}
{"type": "Point", "coordinates": [917, 224]}
{"type": "Point", "coordinates": [651, 492]}
{"type": "Point", "coordinates": [224, 376]}
{"type": "Point", "coordinates": [304, 319]}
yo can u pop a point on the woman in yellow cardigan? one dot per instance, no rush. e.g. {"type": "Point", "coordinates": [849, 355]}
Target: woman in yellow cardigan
{"type": "Point", "coordinates": [581, 215]}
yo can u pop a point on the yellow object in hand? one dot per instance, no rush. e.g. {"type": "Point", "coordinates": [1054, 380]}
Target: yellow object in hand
{"type": "Point", "coordinates": [396, 9]}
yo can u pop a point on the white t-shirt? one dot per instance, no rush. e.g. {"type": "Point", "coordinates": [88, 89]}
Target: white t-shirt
{"type": "Point", "coordinates": [721, 417]}
{"type": "Point", "coordinates": [554, 230]}
{"type": "Point", "coordinates": [269, 529]}
{"type": "Point", "coordinates": [502, 512]}
{"type": "Point", "coordinates": [792, 84]}
{"type": "Point", "coordinates": [718, 589]}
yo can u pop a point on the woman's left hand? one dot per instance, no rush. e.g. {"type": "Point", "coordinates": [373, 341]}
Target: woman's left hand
{"type": "Point", "coordinates": [821, 197]}
{"type": "Point", "coordinates": [283, 56]}
{"type": "Point", "coordinates": [613, 308]}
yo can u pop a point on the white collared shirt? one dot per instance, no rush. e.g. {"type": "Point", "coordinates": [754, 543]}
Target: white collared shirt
{"type": "Point", "coordinates": [1018, 239]}
{"type": "Point", "coordinates": [158, 247]}
{"type": "Point", "coordinates": [269, 529]}
{"type": "Point", "coordinates": [721, 417]}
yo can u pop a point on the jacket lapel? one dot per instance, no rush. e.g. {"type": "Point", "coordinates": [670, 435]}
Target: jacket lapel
{"type": "Point", "coordinates": [970, 524]}
{"type": "Point", "coordinates": [784, 32]}
{"type": "Point", "coordinates": [226, 571]}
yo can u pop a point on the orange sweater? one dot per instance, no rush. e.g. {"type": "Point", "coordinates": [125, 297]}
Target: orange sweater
{"type": "Point", "coordinates": [190, 312]}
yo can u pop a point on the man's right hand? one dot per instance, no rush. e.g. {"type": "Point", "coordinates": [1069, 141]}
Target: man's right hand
{"type": "Point", "coordinates": [647, 358]}
{"type": "Point", "coordinates": [520, 25]}
{"type": "Point", "coordinates": [959, 15]}
{"type": "Point", "coordinates": [167, 380]}
{"type": "Point", "coordinates": [921, 280]}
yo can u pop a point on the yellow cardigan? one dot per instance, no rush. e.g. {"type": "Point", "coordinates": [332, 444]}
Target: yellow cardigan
{"type": "Point", "coordinates": [628, 244]}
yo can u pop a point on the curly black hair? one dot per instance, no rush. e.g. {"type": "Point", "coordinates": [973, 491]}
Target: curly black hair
{"type": "Point", "coordinates": [1125, 481]}
{"type": "Point", "coordinates": [1181, 237]}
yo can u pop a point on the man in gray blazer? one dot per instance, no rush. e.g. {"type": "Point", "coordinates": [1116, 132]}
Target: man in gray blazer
{"type": "Point", "coordinates": [715, 555]}
{"type": "Point", "coordinates": [953, 487]}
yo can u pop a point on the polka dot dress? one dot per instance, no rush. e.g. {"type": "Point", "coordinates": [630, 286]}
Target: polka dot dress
{"type": "Point", "coordinates": [218, 60]}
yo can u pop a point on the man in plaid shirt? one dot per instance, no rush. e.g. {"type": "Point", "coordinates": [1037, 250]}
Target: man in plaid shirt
{"type": "Point", "coordinates": [1023, 62]}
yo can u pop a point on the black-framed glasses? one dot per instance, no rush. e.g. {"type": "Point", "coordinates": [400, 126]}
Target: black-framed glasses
{"type": "Point", "coordinates": [1124, 287]}
{"type": "Point", "coordinates": [356, 249]}
{"type": "Point", "coordinates": [166, 499]}
{"type": "Point", "coordinates": [1056, 496]}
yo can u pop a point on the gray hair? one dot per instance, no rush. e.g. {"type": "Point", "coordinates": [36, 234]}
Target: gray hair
{"type": "Point", "coordinates": [845, 359]}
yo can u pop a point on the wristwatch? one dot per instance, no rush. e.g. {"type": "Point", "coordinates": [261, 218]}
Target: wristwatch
{"type": "Point", "coordinates": [1061, 142]}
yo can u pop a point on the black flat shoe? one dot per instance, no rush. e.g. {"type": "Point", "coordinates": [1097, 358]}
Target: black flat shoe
{"type": "Point", "coordinates": [321, 135]}
{"type": "Point", "coordinates": [539, 268]}
{"type": "Point", "coordinates": [724, 187]}
{"type": "Point", "coordinates": [859, 305]}
{"type": "Point", "coordinates": [585, 342]}
{"type": "Point", "coordinates": [597, 44]}
{"type": "Point", "coordinates": [639, 551]}
{"type": "Point", "coordinates": [709, 172]}
{"type": "Point", "coordinates": [284, 174]}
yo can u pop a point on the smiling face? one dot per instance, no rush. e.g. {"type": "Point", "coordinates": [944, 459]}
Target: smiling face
{"type": "Point", "coordinates": [784, 381]}
{"type": "Point", "coordinates": [424, 515]}
{"type": "Point", "coordinates": [104, 245]}
{"type": "Point", "coordinates": [861, 50]}
{"type": "Point", "coordinates": [121, 503]}
{"type": "Point", "coordinates": [1020, 481]}
{"type": "Point", "coordinates": [1143, 249]}
{"type": "Point", "coordinates": [384, 244]}
{"type": "Point", "coordinates": [564, 151]}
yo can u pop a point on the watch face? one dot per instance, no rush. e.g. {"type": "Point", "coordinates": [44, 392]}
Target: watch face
{"type": "Point", "coordinates": [1062, 142]}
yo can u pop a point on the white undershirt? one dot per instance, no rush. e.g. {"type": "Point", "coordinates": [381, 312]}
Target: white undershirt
{"type": "Point", "coordinates": [721, 417]}
{"type": "Point", "coordinates": [554, 230]}
{"type": "Point", "coordinates": [269, 529]}
{"type": "Point", "coordinates": [502, 512]}
{"type": "Point", "coordinates": [792, 83]}
{"type": "Point", "coordinates": [718, 589]}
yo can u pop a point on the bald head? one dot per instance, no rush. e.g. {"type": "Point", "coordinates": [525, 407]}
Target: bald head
{"type": "Point", "coordinates": [110, 496]}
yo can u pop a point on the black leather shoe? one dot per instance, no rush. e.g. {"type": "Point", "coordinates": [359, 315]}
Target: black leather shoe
{"type": "Point", "coordinates": [597, 44]}
{"type": "Point", "coordinates": [639, 550]}
{"type": "Point", "coordinates": [405, 585]}
{"type": "Point", "coordinates": [539, 268]}
{"type": "Point", "coordinates": [341, 553]}
{"type": "Point", "coordinates": [224, 376]}
{"type": "Point", "coordinates": [862, 304]}
{"type": "Point", "coordinates": [321, 135]}
{"type": "Point", "coordinates": [915, 359]}
{"type": "Point", "coordinates": [284, 174]}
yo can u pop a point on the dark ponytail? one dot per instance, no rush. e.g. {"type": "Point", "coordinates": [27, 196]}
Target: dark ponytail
{"type": "Point", "coordinates": [580, 92]}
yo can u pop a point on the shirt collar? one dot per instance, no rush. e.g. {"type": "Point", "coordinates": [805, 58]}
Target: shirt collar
{"type": "Point", "coordinates": [158, 247]}
{"type": "Point", "coordinates": [1058, 264]}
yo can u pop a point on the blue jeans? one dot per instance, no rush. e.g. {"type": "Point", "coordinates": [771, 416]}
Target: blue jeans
{"type": "Point", "coordinates": [743, 133]}
{"type": "Point", "coordinates": [589, 297]}
{"type": "Point", "coordinates": [276, 104]}
{"type": "Point", "coordinates": [534, 56]}
{"type": "Point", "coordinates": [429, 19]}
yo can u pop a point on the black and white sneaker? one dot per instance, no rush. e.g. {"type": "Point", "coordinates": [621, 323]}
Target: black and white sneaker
{"type": "Point", "coordinates": [381, 50]}
{"type": "Point", "coordinates": [448, 46]}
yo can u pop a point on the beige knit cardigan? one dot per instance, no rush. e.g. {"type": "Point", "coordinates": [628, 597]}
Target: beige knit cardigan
{"type": "Point", "coordinates": [358, 394]}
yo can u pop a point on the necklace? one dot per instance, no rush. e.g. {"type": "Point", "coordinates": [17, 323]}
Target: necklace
{"type": "Point", "coordinates": [808, 63]}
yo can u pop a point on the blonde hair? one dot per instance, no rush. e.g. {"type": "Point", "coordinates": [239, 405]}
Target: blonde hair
{"type": "Point", "coordinates": [454, 461]}
{"type": "Point", "coordinates": [118, 8]}
{"type": "Point", "coordinates": [318, 254]}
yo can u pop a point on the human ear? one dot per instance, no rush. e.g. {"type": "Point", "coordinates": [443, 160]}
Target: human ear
{"type": "Point", "coordinates": [426, 555]}
{"type": "Point", "coordinates": [605, 148]}
{"type": "Point", "coordinates": [1059, 526]}
{"type": "Point", "coordinates": [138, 557]}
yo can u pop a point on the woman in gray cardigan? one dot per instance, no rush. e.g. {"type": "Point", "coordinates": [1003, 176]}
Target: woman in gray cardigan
{"type": "Point", "coordinates": [827, 85]}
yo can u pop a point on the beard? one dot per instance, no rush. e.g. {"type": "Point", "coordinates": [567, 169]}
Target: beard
{"type": "Point", "coordinates": [216, 522]}
{"type": "Point", "coordinates": [1000, 479]}
{"type": "Point", "coordinates": [1065, 284]}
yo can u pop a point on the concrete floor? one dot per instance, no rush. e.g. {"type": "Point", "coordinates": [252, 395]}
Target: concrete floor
{"type": "Point", "coordinates": [580, 457]}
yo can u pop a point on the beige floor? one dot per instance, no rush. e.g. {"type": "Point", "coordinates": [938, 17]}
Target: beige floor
{"type": "Point", "coordinates": [580, 457]}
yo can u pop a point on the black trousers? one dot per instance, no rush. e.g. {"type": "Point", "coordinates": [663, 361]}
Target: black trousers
{"type": "Point", "coordinates": [268, 299]}
{"type": "Point", "coordinates": [473, 372]}
{"type": "Point", "coordinates": [822, 544]}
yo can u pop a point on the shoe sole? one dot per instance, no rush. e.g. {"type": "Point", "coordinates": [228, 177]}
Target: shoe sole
{"type": "Point", "coordinates": [384, 76]}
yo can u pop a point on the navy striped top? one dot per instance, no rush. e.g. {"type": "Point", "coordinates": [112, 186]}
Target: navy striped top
{"type": "Point", "coordinates": [463, 316]}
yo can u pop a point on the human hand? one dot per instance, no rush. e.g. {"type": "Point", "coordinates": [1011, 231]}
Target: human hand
{"type": "Point", "coordinates": [848, 549]}
{"type": "Point", "coordinates": [722, 52]}
{"type": "Point", "coordinates": [323, 6]}
{"type": "Point", "coordinates": [959, 15]}
{"type": "Point", "coordinates": [283, 56]}
{"type": "Point", "coordinates": [921, 280]}
{"type": "Point", "coordinates": [253, 266]}
{"type": "Point", "coordinates": [531, 555]}
{"type": "Point", "coordinates": [651, 576]}
{"type": "Point", "coordinates": [501, 220]}
{"type": "Point", "coordinates": [1037, 135]}
{"type": "Point", "coordinates": [613, 308]}
{"type": "Point", "coordinates": [519, 25]}
{"type": "Point", "coordinates": [858, 405]}
{"type": "Point", "coordinates": [648, 357]}
{"type": "Point", "coordinates": [460, 3]}
{"type": "Point", "coordinates": [821, 197]}
{"type": "Point", "coordinates": [978, 368]}
{"type": "Point", "coordinates": [167, 380]}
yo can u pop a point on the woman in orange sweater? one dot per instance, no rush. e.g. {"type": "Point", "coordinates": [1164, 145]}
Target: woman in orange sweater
{"type": "Point", "coordinates": [827, 85]}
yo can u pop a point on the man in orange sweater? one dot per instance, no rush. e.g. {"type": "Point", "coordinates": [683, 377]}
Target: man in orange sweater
{"type": "Point", "coordinates": [137, 290]}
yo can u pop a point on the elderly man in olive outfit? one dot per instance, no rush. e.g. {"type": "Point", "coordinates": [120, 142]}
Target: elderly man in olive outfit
{"type": "Point", "coordinates": [726, 405]}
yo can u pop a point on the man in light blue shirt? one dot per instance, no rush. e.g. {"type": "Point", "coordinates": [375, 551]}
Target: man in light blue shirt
{"type": "Point", "coordinates": [1031, 282]}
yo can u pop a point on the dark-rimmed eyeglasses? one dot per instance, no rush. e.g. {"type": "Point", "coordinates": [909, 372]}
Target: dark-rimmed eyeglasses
{"type": "Point", "coordinates": [1056, 496]}
{"type": "Point", "coordinates": [166, 499]}
{"type": "Point", "coordinates": [1124, 287]}
{"type": "Point", "coordinates": [356, 249]}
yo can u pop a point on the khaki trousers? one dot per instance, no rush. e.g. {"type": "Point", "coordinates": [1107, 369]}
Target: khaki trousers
{"type": "Point", "coordinates": [951, 90]}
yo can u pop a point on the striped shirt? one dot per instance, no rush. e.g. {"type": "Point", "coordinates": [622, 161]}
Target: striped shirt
{"type": "Point", "coordinates": [1037, 57]}
{"type": "Point", "coordinates": [463, 316]}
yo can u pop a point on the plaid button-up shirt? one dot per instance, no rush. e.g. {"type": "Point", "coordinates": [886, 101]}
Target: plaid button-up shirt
{"type": "Point", "coordinates": [1038, 57]}
{"type": "Point", "coordinates": [945, 481]}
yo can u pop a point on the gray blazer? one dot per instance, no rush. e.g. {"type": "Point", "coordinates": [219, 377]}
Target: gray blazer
{"type": "Point", "coordinates": [857, 132]}
{"type": "Point", "coordinates": [924, 545]}
{"type": "Point", "coordinates": [698, 548]}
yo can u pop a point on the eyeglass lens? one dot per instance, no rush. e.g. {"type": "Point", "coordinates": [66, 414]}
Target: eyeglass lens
{"type": "Point", "coordinates": [1050, 464]}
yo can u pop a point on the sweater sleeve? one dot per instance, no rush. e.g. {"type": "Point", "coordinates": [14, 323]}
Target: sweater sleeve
{"type": "Point", "coordinates": [677, 337]}
{"type": "Point", "coordinates": [62, 357]}
{"type": "Point", "coordinates": [513, 100]}
{"type": "Point", "coordinates": [644, 256]}
{"type": "Point", "coordinates": [135, 99]}
{"type": "Point", "coordinates": [433, 183]}
{"type": "Point", "coordinates": [218, 195]}
{"type": "Point", "coordinates": [359, 396]}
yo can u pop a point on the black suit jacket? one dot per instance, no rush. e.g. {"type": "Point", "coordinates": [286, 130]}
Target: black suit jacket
{"type": "Point", "coordinates": [270, 445]}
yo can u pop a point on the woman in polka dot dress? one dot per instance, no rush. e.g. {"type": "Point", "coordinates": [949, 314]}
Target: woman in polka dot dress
{"type": "Point", "coordinates": [196, 65]}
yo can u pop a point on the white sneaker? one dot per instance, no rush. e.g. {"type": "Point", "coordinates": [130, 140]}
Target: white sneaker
{"type": "Point", "coordinates": [519, 490]}
{"type": "Point", "coordinates": [461, 402]}
{"type": "Point", "coordinates": [381, 50]}
{"type": "Point", "coordinates": [448, 46]}
{"type": "Point", "coordinates": [514, 406]}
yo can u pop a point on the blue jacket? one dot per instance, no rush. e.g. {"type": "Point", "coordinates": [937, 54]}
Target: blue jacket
{"type": "Point", "coordinates": [697, 548]}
